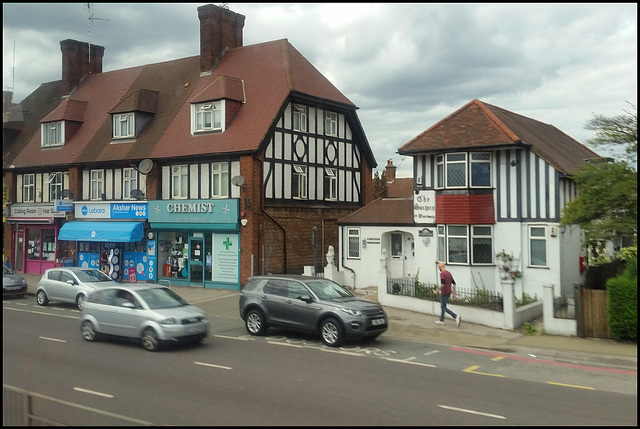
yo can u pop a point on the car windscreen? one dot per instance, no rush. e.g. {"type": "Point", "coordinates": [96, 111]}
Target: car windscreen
{"type": "Point", "coordinates": [328, 290]}
{"type": "Point", "coordinates": [157, 298]}
{"type": "Point", "coordinates": [90, 276]}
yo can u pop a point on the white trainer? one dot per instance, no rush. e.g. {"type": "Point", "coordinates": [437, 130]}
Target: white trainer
{"type": "Point", "coordinates": [458, 320]}
{"type": "Point", "coordinates": [439, 322]}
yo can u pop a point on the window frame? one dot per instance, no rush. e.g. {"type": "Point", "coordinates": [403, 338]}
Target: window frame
{"type": "Point", "coordinates": [299, 182]}
{"type": "Point", "coordinates": [180, 181]}
{"type": "Point", "coordinates": [475, 237]}
{"type": "Point", "coordinates": [56, 185]}
{"type": "Point", "coordinates": [29, 189]}
{"type": "Point", "coordinates": [536, 238]}
{"type": "Point", "coordinates": [129, 182]}
{"type": "Point", "coordinates": [471, 238]}
{"type": "Point", "coordinates": [472, 173]}
{"type": "Point", "coordinates": [331, 184]}
{"type": "Point", "coordinates": [330, 123]}
{"type": "Point", "coordinates": [396, 251]}
{"type": "Point", "coordinates": [220, 180]}
{"type": "Point", "coordinates": [207, 117]}
{"type": "Point", "coordinates": [55, 130]}
{"type": "Point", "coordinates": [96, 187]}
{"type": "Point", "coordinates": [129, 119]}
{"type": "Point", "coordinates": [300, 116]}
{"type": "Point", "coordinates": [353, 243]}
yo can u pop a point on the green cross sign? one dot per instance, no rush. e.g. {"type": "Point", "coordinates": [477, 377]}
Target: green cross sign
{"type": "Point", "coordinates": [227, 243]}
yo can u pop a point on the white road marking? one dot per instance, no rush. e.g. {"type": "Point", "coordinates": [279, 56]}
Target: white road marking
{"type": "Point", "coordinates": [213, 366]}
{"type": "Point", "coordinates": [41, 312]}
{"type": "Point", "coordinates": [93, 392]}
{"type": "Point", "coordinates": [432, 352]}
{"type": "Point", "coordinates": [409, 362]}
{"type": "Point", "coordinates": [53, 339]}
{"type": "Point", "coordinates": [494, 416]}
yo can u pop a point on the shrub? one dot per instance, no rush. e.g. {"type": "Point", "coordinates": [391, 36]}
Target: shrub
{"type": "Point", "coordinates": [622, 303]}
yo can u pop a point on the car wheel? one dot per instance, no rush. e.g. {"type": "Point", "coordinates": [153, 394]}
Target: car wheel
{"type": "Point", "coordinates": [41, 298]}
{"type": "Point", "coordinates": [150, 339]}
{"type": "Point", "coordinates": [331, 333]}
{"type": "Point", "coordinates": [88, 332]}
{"type": "Point", "coordinates": [254, 322]}
{"type": "Point", "coordinates": [80, 300]}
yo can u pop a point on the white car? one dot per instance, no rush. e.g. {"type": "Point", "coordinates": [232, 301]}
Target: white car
{"type": "Point", "coordinates": [148, 313]}
{"type": "Point", "coordinates": [70, 284]}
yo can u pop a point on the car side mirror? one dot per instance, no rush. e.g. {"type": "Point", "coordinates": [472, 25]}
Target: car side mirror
{"type": "Point", "coordinates": [71, 282]}
{"type": "Point", "coordinates": [128, 304]}
{"type": "Point", "coordinates": [305, 298]}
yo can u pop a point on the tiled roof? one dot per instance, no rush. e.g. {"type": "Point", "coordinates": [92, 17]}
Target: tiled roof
{"type": "Point", "coordinates": [382, 212]}
{"type": "Point", "coordinates": [479, 125]}
{"type": "Point", "coordinates": [400, 187]}
{"type": "Point", "coordinates": [271, 72]}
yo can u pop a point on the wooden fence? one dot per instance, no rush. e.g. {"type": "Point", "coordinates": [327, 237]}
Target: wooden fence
{"type": "Point", "coordinates": [594, 302]}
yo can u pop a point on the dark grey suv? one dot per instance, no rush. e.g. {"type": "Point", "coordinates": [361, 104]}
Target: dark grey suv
{"type": "Point", "coordinates": [309, 304]}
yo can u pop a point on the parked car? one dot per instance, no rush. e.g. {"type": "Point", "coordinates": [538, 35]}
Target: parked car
{"type": "Point", "coordinates": [309, 304]}
{"type": "Point", "coordinates": [12, 283]}
{"type": "Point", "coordinates": [70, 284]}
{"type": "Point", "coordinates": [150, 313]}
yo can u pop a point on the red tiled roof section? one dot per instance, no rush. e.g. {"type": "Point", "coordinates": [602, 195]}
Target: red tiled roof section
{"type": "Point", "coordinates": [140, 100]}
{"type": "Point", "coordinates": [479, 125]}
{"type": "Point", "coordinates": [400, 187]}
{"type": "Point", "coordinates": [223, 87]}
{"type": "Point", "coordinates": [383, 211]}
{"type": "Point", "coordinates": [68, 110]}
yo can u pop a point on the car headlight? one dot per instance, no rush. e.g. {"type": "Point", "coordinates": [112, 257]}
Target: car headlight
{"type": "Point", "coordinates": [169, 321]}
{"type": "Point", "coordinates": [351, 311]}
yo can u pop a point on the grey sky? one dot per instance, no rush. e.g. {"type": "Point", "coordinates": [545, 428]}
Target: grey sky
{"type": "Point", "coordinates": [406, 66]}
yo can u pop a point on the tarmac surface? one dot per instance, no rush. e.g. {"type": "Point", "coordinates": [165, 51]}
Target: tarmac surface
{"type": "Point", "coordinates": [419, 327]}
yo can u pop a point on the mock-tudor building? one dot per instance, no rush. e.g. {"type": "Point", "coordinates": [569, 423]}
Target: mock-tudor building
{"type": "Point", "coordinates": [486, 180]}
{"type": "Point", "coordinates": [201, 170]}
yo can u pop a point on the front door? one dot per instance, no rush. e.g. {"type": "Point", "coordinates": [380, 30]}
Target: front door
{"type": "Point", "coordinates": [196, 261]}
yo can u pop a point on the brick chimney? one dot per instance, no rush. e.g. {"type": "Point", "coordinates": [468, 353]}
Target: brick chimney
{"type": "Point", "coordinates": [220, 29]}
{"type": "Point", "coordinates": [390, 171]}
{"type": "Point", "coordinates": [76, 62]}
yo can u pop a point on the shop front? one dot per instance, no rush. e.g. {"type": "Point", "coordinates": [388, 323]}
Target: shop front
{"type": "Point", "coordinates": [198, 242]}
{"type": "Point", "coordinates": [34, 236]}
{"type": "Point", "coordinates": [112, 237]}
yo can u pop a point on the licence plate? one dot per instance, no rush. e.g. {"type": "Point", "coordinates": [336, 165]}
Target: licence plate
{"type": "Point", "coordinates": [12, 287]}
{"type": "Point", "coordinates": [376, 322]}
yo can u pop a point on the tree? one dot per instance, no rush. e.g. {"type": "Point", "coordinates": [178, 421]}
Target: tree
{"type": "Point", "coordinates": [607, 199]}
{"type": "Point", "coordinates": [380, 188]}
{"type": "Point", "coordinates": [616, 131]}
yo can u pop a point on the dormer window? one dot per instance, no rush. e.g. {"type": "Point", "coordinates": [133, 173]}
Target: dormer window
{"type": "Point", "coordinates": [124, 126]}
{"type": "Point", "coordinates": [52, 134]}
{"type": "Point", "coordinates": [207, 117]}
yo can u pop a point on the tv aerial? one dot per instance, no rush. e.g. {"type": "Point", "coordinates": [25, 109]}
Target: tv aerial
{"type": "Point", "coordinates": [90, 19]}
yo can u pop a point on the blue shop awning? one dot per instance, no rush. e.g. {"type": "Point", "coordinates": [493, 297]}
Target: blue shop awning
{"type": "Point", "coordinates": [121, 232]}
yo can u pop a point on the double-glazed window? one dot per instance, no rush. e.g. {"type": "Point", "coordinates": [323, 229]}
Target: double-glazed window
{"type": "Point", "coordinates": [353, 240]}
{"type": "Point", "coordinates": [454, 169]}
{"type": "Point", "coordinates": [124, 126]}
{"type": "Point", "coordinates": [179, 181]}
{"type": "Point", "coordinates": [538, 246]}
{"type": "Point", "coordinates": [129, 182]}
{"type": "Point", "coordinates": [465, 244]}
{"type": "Point", "coordinates": [56, 184]}
{"type": "Point", "coordinates": [52, 134]}
{"type": "Point", "coordinates": [207, 116]}
{"type": "Point", "coordinates": [330, 184]}
{"type": "Point", "coordinates": [97, 184]}
{"type": "Point", "coordinates": [299, 117]}
{"type": "Point", "coordinates": [299, 182]}
{"type": "Point", "coordinates": [28, 188]}
{"type": "Point", "coordinates": [219, 180]}
{"type": "Point", "coordinates": [331, 123]}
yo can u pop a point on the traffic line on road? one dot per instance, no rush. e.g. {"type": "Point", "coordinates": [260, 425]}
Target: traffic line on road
{"type": "Point", "coordinates": [478, 413]}
{"type": "Point", "coordinates": [93, 392]}
{"type": "Point", "coordinates": [409, 362]}
{"type": "Point", "coordinates": [472, 370]}
{"type": "Point", "coordinates": [53, 339]}
{"type": "Point", "coordinates": [570, 385]}
{"type": "Point", "coordinates": [41, 312]}
{"type": "Point", "coordinates": [213, 366]}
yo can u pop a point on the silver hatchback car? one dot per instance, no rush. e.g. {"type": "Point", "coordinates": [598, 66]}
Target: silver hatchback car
{"type": "Point", "coordinates": [312, 305]}
{"type": "Point", "coordinates": [150, 313]}
{"type": "Point", "coordinates": [70, 284]}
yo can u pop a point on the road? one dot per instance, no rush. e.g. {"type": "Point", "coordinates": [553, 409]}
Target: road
{"type": "Point", "coordinates": [284, 379]}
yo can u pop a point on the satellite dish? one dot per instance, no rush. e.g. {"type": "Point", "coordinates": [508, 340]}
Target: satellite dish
{"type": "Point", "coordinates": [66, 193]}
{"type": "Point", "coordinates": [137, 193]}
{"type": "Point", "coordinates": [145, 166]}
{"type": "Point", "coordinates": [237, 181]}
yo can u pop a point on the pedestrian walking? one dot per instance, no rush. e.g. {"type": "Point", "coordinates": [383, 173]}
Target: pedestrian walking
{"type": "Point", "coordinates": [447, 289]}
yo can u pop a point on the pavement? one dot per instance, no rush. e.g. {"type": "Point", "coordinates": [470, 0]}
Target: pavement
{"type": "Point", "coordinates": [419, 327]}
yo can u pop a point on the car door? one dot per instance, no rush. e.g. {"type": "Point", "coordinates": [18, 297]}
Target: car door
{"type": "Point", "coordinates": [124, 319]}
{"type": "Point", "coordinates": [275, 301]}
{"type": "Point", "coordinates": [100, 306]}
{"type": "Point", "coordinates": [301, 314]}
{"type": "Point", "coordinates": [67, 291]}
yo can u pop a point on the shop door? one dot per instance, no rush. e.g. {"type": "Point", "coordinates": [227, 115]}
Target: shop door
{"type": "Point", "coordinates": [196, 261]}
